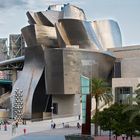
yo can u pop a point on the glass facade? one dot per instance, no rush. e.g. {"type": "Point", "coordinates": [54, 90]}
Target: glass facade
{"type": "Point", "coordinates": [122, 94]}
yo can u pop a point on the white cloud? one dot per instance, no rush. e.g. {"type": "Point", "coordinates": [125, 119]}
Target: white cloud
{"type": "Point", "coordinates": [11, 3]}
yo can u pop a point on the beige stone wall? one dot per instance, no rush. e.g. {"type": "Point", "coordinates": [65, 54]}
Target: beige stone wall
{"type": "Point", "coordinates": [126, 52]}
{"type": "Point", "coordinates": [68, 105]}
{"type": "Point", "coordinates": [130, 67]}
{"type": "Point", "coordinates": [124, 82]}
{"type": "Point", "coordinates": [4, 114]}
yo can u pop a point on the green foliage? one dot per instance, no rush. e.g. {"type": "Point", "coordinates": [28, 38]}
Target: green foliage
{"type": "Point", "coordinates": [134, 108]}
{"type": "Point", "coordinates": [101, 91]}
{"type": "Point", "coordinates": [114, 119]}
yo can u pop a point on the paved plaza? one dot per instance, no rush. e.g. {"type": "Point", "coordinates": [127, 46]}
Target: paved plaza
{"type": "Point", "coordinates": [37, 128]}
{"type": "Point", "coordinates": [42, 130]}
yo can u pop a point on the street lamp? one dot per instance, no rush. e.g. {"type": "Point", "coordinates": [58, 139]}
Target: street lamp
{"type": "Point", "coordinates": [52, 111]}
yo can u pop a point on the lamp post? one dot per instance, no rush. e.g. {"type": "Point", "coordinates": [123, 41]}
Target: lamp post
{"type": "Point", "coordinates": [52, 111]}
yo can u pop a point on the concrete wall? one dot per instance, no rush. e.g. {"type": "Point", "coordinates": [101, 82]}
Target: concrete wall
{"type": "Point", "coordinates": [68, 105]}
{"type": "Point", "coordinates": [64, 66]}
{"type": "Point", "coordinates": [130, 67]}
{"type": "Point", "coordinates": [124, 82]}
{"type": "Point", "coordinates": [71, 67]}
{"type": "Point", "coordinates": [4, 114]}
{"type": "Point", "coordinates": [126, 52]}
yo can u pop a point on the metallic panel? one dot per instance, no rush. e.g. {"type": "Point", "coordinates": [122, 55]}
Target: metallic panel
{"type": "Point", "coordinates": [49, 18]}
{"type": "Point", "coordinates": [108, 33]}
{"type": "Point", "coordinates": [40, 35]}
{"type": "Point", "coordinates": [56, 7]}
{"type": "Point", "coordinates": [73, 12]}
{"type": "Point", "coordinates": [32, 19]}
{"type": "Point", "coordinates": [30, 76]}
{"type": "Point", "coordinates": [76, 32]}
{"type": "Point", "coordinates": [64, 66]}
{"type": "Point", "coordinates": [54, 13]}
{"type": "Point", "coordinates": [12, 61]}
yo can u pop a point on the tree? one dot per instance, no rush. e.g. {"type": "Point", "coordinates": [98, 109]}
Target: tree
{"type": "Point", "coordinates": [134, 108]}
{"type": "Point", "coordinates": [115, 120]}
{"type": "Point", "coordinates": [100, 90]}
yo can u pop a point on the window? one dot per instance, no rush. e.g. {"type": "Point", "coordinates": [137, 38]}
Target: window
{"type": "Point", "coordinates": [122, 93]}
{"type": "Point", "coordinates": [117, 70]}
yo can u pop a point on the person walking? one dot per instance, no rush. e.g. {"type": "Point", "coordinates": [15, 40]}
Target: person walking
{"type": "Point", "coordinates": [63, 125]}
{"type": "Point", "coordinates": [123, 136]}
{"type": "Point", "coordinates": [24, 131]}
{"type": "Point", "coordinates": [13, 129]}
{"type": "Point", "coordinates": [78, 125]}
{"type": "Point", "coordinates": [16, 124]}
{"type": "Point", "coordinates": [54, 125]}
{"type": "Point", "coordinates": [5, 127]}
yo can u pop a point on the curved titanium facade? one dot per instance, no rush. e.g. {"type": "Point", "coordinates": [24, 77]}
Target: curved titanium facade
{"type": "Point", "coordinates": [51, 37]}
{"type": "Point", "coordinates": [50, 17]}
{"type": "Point", "coordinates": [39, 35]}
{"type": "Point", "coordinates": [108, 33]}
{"type": "Point", "coordinates": [63, 71]}
{"type": "Point", "coordinates": [29, 77]}
{"type": "Point", "coordinates": [73, 12]}
{"type": "Point", "coordinates": [77, 32]}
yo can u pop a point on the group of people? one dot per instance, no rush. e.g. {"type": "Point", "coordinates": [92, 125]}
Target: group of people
{"type": "Point", "coordinates": [124, 137]}
{"type": "Point", "coordinates": [4, 124]}
{"type": "Point", "coordinates": [15, 126]}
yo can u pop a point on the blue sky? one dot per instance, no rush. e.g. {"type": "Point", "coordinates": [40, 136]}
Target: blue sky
{"type": "Point", "coordinates": [125, 12]}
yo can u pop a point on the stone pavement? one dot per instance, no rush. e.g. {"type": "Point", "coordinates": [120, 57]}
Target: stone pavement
{"type": "Point", "coordinates": [59, 134]}
{"type": "Point", "coordinates": [42, 129]}
{"type": "Point", "coordinates": [36, 127]}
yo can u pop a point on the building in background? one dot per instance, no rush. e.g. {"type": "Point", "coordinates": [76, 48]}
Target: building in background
{"type": "Point", "coordinates": [16, 45]}
{"type": "Point", "coordinates": [8, 73]}
{"type": "Point", "coordinates": [126, 72]}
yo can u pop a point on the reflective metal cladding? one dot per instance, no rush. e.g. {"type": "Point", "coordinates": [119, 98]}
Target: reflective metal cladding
{"type": "Point", "coordinates": [61, 45]}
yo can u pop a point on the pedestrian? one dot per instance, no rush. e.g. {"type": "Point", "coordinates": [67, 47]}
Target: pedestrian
{"type": "Point", "coordinates": [13, 129]}
{"type": "Point", "coordinates": [16, 124]}
{"type": "Point", "coordinates": [63, 124]}
{"type": "Point", "coordinates": [24, 122]}
{"type": "Point", "coordinates": [5, 127]}
{"type": "Point", "coordinates": [54, 125]}
{"type": "Point", "coordinates": [24, 130]}
{"type": "Point", "coordinates": [123, 136]}
{"type": "Point", "coordinates": [114, 137]}
{"type": "Point", "coordinates": [78, 125]}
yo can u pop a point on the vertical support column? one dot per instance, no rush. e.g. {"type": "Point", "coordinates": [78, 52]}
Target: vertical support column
{"type": "Point", "coordinates": [14, 75]}
{"type": "Point", "coordinates": [86, 127]}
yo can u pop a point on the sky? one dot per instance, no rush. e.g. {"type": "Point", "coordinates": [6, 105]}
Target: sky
{"type": "Point", "coordinates": [125, 12]}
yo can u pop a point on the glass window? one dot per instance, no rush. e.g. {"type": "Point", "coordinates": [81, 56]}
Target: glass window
{"type": "Point", "coordinates": [122, 93]}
